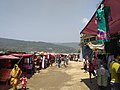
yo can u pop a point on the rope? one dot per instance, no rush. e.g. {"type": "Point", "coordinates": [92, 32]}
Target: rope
{"type": "Point", "coordinates": [20, 60]}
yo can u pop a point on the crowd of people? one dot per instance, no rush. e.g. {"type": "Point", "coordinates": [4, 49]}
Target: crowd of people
{"type": "Point", "coordinates": [61, 60]}
{"type": "Point", "coordinates": [38, 61]}
{"type": "Point", "coordinates": [42, 62]}
{"type": "Point", "coordinates": [106, 70]}
{"type": "Point", "coordinates": [104, 67]}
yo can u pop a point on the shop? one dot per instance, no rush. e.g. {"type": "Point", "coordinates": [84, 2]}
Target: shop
{"type": "Point", "coordinates": [91, 29]}
{"type": "Point", "coordinates": [26, 62]}
{"type": "Point", "coordinates": [105, 26]}
{"type": "Point", "coordinates": [6, 64]}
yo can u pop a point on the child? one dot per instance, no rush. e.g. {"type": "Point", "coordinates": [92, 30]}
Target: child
{"type": "Point", "coordinates": [24, 82]}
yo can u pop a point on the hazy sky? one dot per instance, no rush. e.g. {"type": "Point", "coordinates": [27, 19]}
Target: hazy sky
{"type": "Point", "coordinates": [45, 20]}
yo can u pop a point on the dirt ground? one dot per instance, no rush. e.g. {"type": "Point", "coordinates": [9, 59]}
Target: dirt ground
{"type": "Point", "coordinates": [70, 78]}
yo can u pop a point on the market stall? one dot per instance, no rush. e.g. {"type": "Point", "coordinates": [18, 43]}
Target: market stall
{"type": "Point", "coordinates": [26, 63]}
{"type": "Point", "coordinates": [114, 27]}
{"type": "Point", "coordinates": [91, 27]}
{"type": "Point", "coordinates": [6, 64]}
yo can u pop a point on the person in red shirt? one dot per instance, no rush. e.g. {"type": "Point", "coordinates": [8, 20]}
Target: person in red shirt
{"type": "Point", "coordinates": [24, 82]}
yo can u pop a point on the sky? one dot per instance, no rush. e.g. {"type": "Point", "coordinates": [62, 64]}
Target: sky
{"type": "Point", "coordinates": [55, 21]}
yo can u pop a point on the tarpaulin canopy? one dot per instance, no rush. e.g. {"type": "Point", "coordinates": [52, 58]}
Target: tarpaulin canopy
{"type": "Point", "coordinates": [22, 55]}
{"type": "Point", "coordinates": [8, 57]}
{"type": "Point", "coordinates": [91, 27]}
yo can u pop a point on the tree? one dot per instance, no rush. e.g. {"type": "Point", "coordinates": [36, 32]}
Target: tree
{"type": "Point", "coordinates": [79, 50]}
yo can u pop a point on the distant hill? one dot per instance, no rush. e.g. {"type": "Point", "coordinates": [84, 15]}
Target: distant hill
{"type": "Point", "coordinates": [74, 45]}
{"type": "Point", "coordinates": [27, 46]}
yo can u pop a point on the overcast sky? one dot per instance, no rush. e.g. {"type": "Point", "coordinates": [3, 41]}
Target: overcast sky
{"type": "Point", "coordinates": [45, 20]}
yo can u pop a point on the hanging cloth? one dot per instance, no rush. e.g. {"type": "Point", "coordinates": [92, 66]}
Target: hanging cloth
{"type": "Point", "coordinates": [102, 16]}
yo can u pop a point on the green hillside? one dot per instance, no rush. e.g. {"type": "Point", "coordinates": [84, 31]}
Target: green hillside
{"type": "Point", "coordinates": [74, 45]}
{"type": "Point", "coordinates": [27, 46]}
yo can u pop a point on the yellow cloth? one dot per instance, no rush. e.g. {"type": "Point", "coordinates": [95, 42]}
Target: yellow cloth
{"type": "Point", "coordinates": [15, 73]}
{"type": "Point", "coordinates": [114, 68]}
{"type": "Point", "coordinates": [13, 81]}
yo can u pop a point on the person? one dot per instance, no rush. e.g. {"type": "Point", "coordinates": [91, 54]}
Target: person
{"type": "Point", "coordinates": [24, 81]}
{"type": "Point", "coordinates": [43, 62]}
{"type": "Point", "coordinates": [59, 61]}
{"type": "Point", "coordinates": [95, 62]}
{"type": "Point", "coordinates": [102, 78]}
{"type": "Point", "coordinates": [36, 63]}
{"type": "Point", "coordinates": [91, 70]}
{"type": "Point", "coordinates": [115, 73]}
{"type": "Point", "coordinates": [15, 75]}
{"type": "Point", "coordinates": [65, 59]}
{"type": "Point", "coordinates": [85, 64]}
{"type": "Point", "coordinates": [56, 60]}
{"type": "Point", "coordinates": [110, 59]}
{"type": "Point", "coordinates": [51, 60]}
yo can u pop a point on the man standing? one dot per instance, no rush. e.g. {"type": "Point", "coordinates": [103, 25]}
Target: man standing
{"type": "Point", "coordinates": [91, 70]}
{"type": "Point", "coordinates": [115, 73]}
{"type": "Point", "coordinates": [102, 78]}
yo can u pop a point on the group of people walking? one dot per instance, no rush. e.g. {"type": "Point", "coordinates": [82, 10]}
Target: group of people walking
{"type": "Point", "coordinates": [61, 60]}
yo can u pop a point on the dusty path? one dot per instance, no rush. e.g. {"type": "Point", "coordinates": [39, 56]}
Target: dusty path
{"type": "Point", "coordinates": [53, 78]}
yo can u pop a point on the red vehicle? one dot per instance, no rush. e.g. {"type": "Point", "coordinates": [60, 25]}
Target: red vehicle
{"type": "Point", "coordinates": [6, 64]}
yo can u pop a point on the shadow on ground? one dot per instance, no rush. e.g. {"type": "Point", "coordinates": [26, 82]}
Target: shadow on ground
{"type": "Point", "coordinates": [7, 86]}
{"type": "Point", "coordinates": [93, 85]}
{"type": "Point", "coordinates": [22, 89]}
